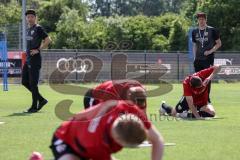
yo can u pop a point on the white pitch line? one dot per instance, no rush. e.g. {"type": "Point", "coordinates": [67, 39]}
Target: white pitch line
{"type": "Point", "coordinates": [2, 122]}
{"type": "Point", "coordinates": [218, 117]}
{"type": "Point", "coordinates": [169, 144]}
{"type": "Point", "coordinates": [147, 144]}
{"type": "Point", "coordinates": [213, 118]}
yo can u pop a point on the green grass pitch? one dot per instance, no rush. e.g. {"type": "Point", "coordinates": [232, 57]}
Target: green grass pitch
{"type": "Point", "coordinates": [216, 139]}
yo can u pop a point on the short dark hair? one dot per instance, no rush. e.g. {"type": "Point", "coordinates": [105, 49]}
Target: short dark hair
{"type": "Point", "coordinates": [201, 14]}
{"type": "Point", "coordinates": [137, 95]}
{"type": "Point", "coordinates": [195, 81]}
{"type": "Point", "coordinates": [30, 11]}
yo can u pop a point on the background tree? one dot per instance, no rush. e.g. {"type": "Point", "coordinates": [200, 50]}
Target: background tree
{"type": "Point", "coordinates": [9, 22]}
{"type": "Point", "coordinates": [51, 10]}
{"type": "Point", "coordinates": [178, 35]}
{"type": "Point", "coordinates": [10, 13]}
{"type": "Point", "coordinates": [189, 8]}
{"type": "Point", "coordinates": [149, 24]}
{"type": "Point", "coordinates": [70, 29]}
{"type": "Point", "coordinates": [134, 7]}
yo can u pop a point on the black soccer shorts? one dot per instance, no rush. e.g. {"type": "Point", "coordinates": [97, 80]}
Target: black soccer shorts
{"type": "Point", "coordinates": [183, 105]}
{"type": "Point", "coordinates": [89, 100]}
{"type": "Point", "coordinates": [59, 148]}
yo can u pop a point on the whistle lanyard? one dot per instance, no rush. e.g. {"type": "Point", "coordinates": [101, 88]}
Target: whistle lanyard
{"type": "Point", "coordinates": [202, 37]}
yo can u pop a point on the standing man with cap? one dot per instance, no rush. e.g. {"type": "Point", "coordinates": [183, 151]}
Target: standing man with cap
{"type": "Point", "coordinates": [37, 39]}
{"type": "Point", "coordinates": [206, 41]}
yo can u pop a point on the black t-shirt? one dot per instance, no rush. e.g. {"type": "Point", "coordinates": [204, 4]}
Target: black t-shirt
{"type": "Point", "coordinates": [205, 40]}
{"type": "Point", "coordinates": [35, 35]}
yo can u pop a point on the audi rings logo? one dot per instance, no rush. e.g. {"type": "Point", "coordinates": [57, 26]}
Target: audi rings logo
{"type": "Point", "coordinates": [75, 65]}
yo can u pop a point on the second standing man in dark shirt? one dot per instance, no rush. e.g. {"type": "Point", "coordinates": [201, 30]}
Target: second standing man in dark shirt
{"type": "Point", "coordinates": [37, 39]}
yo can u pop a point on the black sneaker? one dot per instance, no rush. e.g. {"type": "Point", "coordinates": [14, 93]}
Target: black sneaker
{"type": "Point", "coordinates": [41, 104]}
{"type": "Point", "coordinates": [31, 110]}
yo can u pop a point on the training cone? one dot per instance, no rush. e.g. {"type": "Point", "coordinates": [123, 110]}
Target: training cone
{"type": "Point", "coordinates": [36, 156]}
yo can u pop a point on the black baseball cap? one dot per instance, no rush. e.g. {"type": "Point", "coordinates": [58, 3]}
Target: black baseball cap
{"type": "Point", "coordinates": [30, 11]}
{"type": "Point", "coordinates": [201, 14]}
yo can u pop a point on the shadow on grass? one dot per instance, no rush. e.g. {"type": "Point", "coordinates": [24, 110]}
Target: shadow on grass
{"type": "Point", "coordinates": [206, 119]}
{"type": "Point", "coordinates": [21, 114]}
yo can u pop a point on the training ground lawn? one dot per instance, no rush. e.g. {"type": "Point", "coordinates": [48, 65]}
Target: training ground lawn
{"type": "Point", "coordinates": [216, 139]}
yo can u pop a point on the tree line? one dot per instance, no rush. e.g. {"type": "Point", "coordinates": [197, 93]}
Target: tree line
{"type": "Point", "coordinates": [147, 24]}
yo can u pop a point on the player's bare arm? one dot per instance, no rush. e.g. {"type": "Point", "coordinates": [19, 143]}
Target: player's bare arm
{"type": "Point", "coordinates": [113, 158]}
{"type": "Point", "coordinates": [157, 143]}
{"type": "Point", "coordinates": [194, 50]}
{"type": "Point", "coordinates": [98, 111]}
{"type": "Point", "coordinates": [44, 45]}
{"type": "Point", "coordinates": [215, 71]}
{"type": "Point", "coordinates": [192, 107]}
{"type": "Point", "coordinates": [215, 48]}
{"type": "Point", "coordinates": [106, 106]}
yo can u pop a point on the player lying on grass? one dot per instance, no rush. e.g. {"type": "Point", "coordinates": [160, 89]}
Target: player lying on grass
{"type": "Point", "coordinates": [117, 90]}
{"type": "Point", "coordinates": [194, 103]}
{"type": "Point", "coordinates": [96, 133]}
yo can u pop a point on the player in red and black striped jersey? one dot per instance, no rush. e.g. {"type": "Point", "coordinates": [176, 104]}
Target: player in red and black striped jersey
{"type": "Point", "coordinates": [117, 90]}
{"type": "Point", "coordinates": [195, 96]}
{"type": "Point", "coordinates": [106, 128]}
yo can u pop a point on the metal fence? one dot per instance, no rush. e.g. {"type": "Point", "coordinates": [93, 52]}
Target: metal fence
{"type": "Point", "coordinates": [14, 35]}
{"type": "Point", "coordinates": [90, 66]}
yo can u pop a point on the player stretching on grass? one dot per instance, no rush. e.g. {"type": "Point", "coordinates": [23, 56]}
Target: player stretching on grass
{"type": "Point", "coordinates": [106, 128]}
{"type": "Point", "coordinates": [117, 90]}
{"type": "Point", "coordinates": [194, 103]}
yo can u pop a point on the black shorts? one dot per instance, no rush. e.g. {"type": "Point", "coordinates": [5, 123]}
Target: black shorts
{"type": "Point", "coordinates": [89, 100]}
{"type": "Point", "coordinates": [59, 148]}
{"type": "Point", "coordinates": [183, 105]}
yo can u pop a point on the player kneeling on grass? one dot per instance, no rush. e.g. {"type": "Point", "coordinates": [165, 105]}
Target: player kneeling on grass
{"type": "Point", "coordinates": [106, 128]}
{"type": "Point", "coordinates": [117, 90]}
{"type": "Point", "coordinates": [194, 103]}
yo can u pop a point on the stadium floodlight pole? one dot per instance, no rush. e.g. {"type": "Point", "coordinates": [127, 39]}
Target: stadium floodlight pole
{"type": "Point", "coordinates": [24, 43]}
